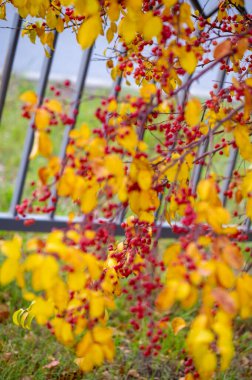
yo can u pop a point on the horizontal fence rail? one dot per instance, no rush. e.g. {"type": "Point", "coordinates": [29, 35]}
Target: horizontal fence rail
{"type": "Point", "coordinates": [45, 223]}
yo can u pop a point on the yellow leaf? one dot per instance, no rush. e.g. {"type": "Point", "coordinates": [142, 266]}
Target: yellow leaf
{"type": "Point", "coordinates": [208, 364]}
{"type": "Point", "coordinates": [102, 334]}
{"type": "Point", "coordinates": [134, 201]}
{"type": "Point", "coordinates": [42, 145]}
{"type": "Point", "coordinates": [188, 61]}
{"type": "Point", "coordinates": [109, 351]}
{"type": "Point", "coordinates": [62, 330]}
{"type": "Point", "coordinates": [29, 97]}
{"type": "Point", "coordinates": [205, 189]}
{"type": "Point", "coordinates": [113, 11]}
{"type": "Point", "coordinates": [12, 248]}
{"type": "Point", "coordinates": [42, 118]}
{"type": "Point", "coordinates": [88, 201]}
{"type": "Point", "coordinates": [76, 280]}
{"type": "Point", "coordinates": [193, 112]}
{"type": "Point", "coordinates": [147, 91]}
{"type": "Point", "coordinates": [183, 291]}
{"type": "Point", "coordinates": [248, 82]}
{"type": "Point", "coordinates": [54, 106]}
{"type": "Point", "coordinates": [152, 28]}
{"type": "Point", "coordinates": [127, 29]}
{"type": "Point", "coordinates": [204, 336]}
{"type": "Point", "coordinates": [144, 179]}
{"type": "Point", "coordinates": [89, 31]}
{"type": "Point", "coordinates": [145, 216]}
{"type": "Point", "coordinates": [89, 7]}
{"type": "Point", "coordinates": [114, 165]}
{"type": "Point", "coordinates": [127, 138]}
{"type": "Point", "coordinates": [188, 302]}
{"type": "Point", "coordinates": [97, 354]}
{"type": "Point", "coordinates": [96, 306]}
{"type": "Point", "coordinates": [242, 140]}
{"type": "Point", "coordinates": [60, 25]}
{"type": "Point", "coordinates": [166, 297]}
{"type": "Point", "coordinates": [42, 310]}
{"type": "Point", "coordinates": [85, 364]}
{"type": "Point", "coordinates": [225, 275]}
{"type": "Point", "coordinates": [3, 12]}
{"type": "Point", "coordinates": [171, 253]}
{"type": "Point", "coordinates": [109, 35]}
{"type": "Point", "coordinates": [249, 208]}
{"type": "Point", "coordinates": [51, 18]}
{"type": "Point", "coordinates": [85, 343]}
{"type": "Point", "coordinates": [178, 324]}
{"type": "Point", "coordinates": [8, 271]}
{"type": "Point", "coordinates": [169, 3]}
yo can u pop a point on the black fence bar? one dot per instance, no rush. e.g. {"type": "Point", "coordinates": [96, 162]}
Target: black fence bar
{"type": "Point", "coordinates": [248, 225]}
{"type": "Point", "coordinates": [197, 170]}
{"type": "Point", "coordinates": [20, 182]}
{"type": "Point", "coordinates": [228, 175]}
{"type": "Point", "coordinates": [44, 225]}
{"type": "Point", "coordinates": [9, 60]}
{"type": "Point", "coordinates": [80, 86]}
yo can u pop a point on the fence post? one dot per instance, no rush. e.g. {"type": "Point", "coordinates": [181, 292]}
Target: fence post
{"type": "Point", "coordinates": [20, 182]}
{"type": "Point", "coordinates": [9, 60]}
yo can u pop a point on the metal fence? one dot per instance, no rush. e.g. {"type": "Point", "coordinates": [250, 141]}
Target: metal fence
{"type": "Point", "coordinates": [44, 223]}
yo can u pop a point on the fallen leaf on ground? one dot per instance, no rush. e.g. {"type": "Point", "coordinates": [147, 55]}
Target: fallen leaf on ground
{"type": "Point", "coordinates": [4, 312]}
{"type": "Point", "coordinates": [52, 364]}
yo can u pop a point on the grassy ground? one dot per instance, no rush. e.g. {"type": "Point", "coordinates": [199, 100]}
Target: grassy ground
{"type": "Point", "coordinates": [31, 355]}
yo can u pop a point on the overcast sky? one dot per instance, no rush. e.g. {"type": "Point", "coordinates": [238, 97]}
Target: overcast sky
{"type": "Point", "coordinates": [66, 62]}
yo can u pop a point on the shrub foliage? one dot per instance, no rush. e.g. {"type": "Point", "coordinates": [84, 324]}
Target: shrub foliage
{"type": "Point", "coordinates": [73, 277]}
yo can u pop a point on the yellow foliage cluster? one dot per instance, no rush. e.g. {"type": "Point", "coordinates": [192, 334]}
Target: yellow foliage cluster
{"type": "Point", "coordinates": [208, 273]}
{"type": "Point", "coordinates": [70, 290]}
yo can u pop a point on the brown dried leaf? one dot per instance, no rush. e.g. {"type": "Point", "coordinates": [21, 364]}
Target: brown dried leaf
{"type": "Point", "coordinates": [133, 373]}
{"type": "Point", "coordinates": [4, 312]}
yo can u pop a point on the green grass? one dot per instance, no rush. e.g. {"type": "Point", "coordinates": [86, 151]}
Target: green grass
{"type": "Point", "coordinates": [24, 354]}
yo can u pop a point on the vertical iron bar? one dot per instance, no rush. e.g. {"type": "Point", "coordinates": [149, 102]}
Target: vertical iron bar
{"type": "Point", "coordinates": [20, 182]}
{"type": "Point", "coordinates": [228, 175]}
{"type": "Point", "coordinates": [197, 170]}
{"type": "Point", "coordinates": [80, 86]}
{"type": "Point", "coordinates": [9, 60]}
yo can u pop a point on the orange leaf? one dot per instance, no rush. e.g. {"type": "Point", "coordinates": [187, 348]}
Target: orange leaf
{"type": "Point", "coordinates": [42, 118]}
{"type": "Point", "coordinates": [178, 324]}
{"type": "Point", "coordinates": [29, 97]}
{"type": "Point", "coordinates": [223, 49]}
{"type": "Point", "coordinates": [223, 298]}
{"type": "Point", "coordinates": [233, 256]}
